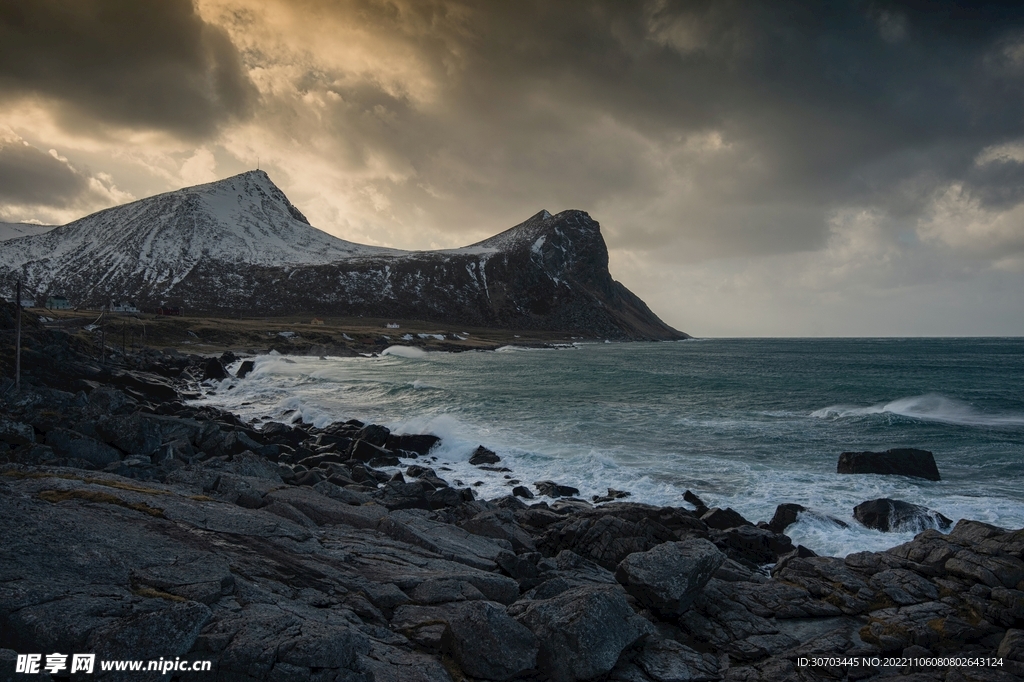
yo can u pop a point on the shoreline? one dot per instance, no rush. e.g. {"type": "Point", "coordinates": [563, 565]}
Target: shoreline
{"type": "Point", "coordinates": [201, 535]}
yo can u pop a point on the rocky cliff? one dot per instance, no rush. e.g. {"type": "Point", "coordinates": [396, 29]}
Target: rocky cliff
{"type": "Point", "coordinates": [239, 246]}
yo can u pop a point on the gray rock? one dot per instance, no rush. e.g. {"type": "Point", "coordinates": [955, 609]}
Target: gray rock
{"type": "Point", "coordinates": [898, 462]}
{"type": "Point", "coordinates": [166, 632]}
{"type": "Point", "coordinates": [904, 587]}
{"type": "Point", "coordinates": [581, 631]}
{"type": "Point", "coordinates": [1012, 646]}
{"type": "Point", "coordinates": [487, 643]}
{"type": "Point", "coordinates": [752, 544]}
{"type": "Point", "coordinates": [994, 571]}
{"type": "Point", "coordinates": [500, 524]}
{"type": "Point", "coordinates": [72, 444]}
{"type": "Point", "coordinates": [668, 578]}
{"type": "Point", "coordinates": [450, 542]}
{"type": "Point", "coordinates": [324, 510]}
{"type": "Point", "coordinates": [16, 433]}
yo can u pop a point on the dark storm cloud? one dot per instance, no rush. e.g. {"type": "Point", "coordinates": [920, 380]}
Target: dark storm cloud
{"type": "Point", "coordinates": [820, 106]}
{"type": "Point", "coordinates": [29, 176]}
{"type": "Point", "coordinates": [139, 63]}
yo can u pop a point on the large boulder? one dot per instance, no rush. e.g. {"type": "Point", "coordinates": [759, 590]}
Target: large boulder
{"type": "Point", "coordinates": [581, 631]}
{"type": "Point", "coordinates": [898, 461]}
{"type": "Point", "coordinates": [487, 643]}
{"type": "Point", "coordinates": [668, 578]}
{"type": "Point", "coordinates": [889, 515]}
{"type": "Point", "coordinates": [16, 433]}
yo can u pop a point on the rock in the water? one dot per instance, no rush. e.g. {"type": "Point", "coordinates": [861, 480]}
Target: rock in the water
{"type": "Point", "coordinates": [581, 631]}
{"type": "Point", "coordinates": [522, 491]}
{"type": "Point", "coordinates": [246, 367]}
{"type": "Point", "coordinates": [692, 498]}
{"type": "Point", "coordinates": [668, 578]}
{"type": "Point", "coordinates": [895, 515]}
{"type": "Point", "coordinates": [374, 434]}
{"type": "Point", "coordinates": [785, 515]}
{"type": "Point", "coordinates": [552, 489]}
{"type": "Point", "coordinates": [487, 643]}
{"type": "Point", "coordinates": [214, 370]}
{"type": "Point", "coordinates": [483, 456]}
{"type": "Point", "coordinates": [898, 461]}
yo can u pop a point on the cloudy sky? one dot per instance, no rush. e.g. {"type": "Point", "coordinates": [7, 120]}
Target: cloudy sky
{"type": "Point", "coordinates": [758, 168]}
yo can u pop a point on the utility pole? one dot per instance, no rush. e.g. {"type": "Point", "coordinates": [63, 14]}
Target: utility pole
{"type": "Point", "coordinates": [17, 341]}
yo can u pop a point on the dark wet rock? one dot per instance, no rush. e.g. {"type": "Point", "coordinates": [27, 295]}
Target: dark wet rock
{"type": "Point", "coordinates": [668, 577]}
{"type": "Point", "coordinates": [487, 643]}
{"type": "Point", "coordinates": [144, 385]}
{"type": "Point", "coordinates": [484, 456]}
{"type": "Point", "coordinates": [245, 368]}
{"type": "Point", "coordinates": [71, 444]}
{"type": "Point", "coordinates": [214, 370]}
{"type": "Point", "coordinates": [365, 451]}
{"type": "Point", "coordinates": [448, 541]}
{"type": "Point", "coordinates": [552, 489]}
{"type": "Point", "coordinates": [994, 571]}
{"type": "Point", "coordinates": [609, 533]}
{"type": "Point", "coordinates": [374, 434]}
{"type": "Point", "coordinates": [723, 519]}
{"type": "Point", "coordinates": [522, 491]}
{"type": "Point", "coordinates": [582, 631]}
{"type": "Point", "coordinates": [420, 444]}
{"type": "Point", "coordinates": [898, 462]}
{"type": "Point", "coordinates": [665, 660]}
{"type": "Point", "coordinates": [785, 515]}
{"type": "Point", "coordinates": [400, 495]}
{"type": "Point", "coordinates": [751, 544]}
{"type": "Point", "coordinates": [500, 524]}
{"type": "Point", "coordinates": [692, 498]}
{"type": "Point", "coordinates": [904, 587]}
{"type": "Point", "coordinates": [895, 515]}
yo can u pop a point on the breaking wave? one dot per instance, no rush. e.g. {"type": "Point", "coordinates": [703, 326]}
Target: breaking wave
{"type": "Point", "coordinates": [929, 407]}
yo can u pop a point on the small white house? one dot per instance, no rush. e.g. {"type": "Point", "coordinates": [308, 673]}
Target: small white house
{"type": "Point", "coordinates": [123, 307]}
{"type": "Point", "coordinates": [392, 325]}
{"type": "Point", "coordinates": [58, 302]}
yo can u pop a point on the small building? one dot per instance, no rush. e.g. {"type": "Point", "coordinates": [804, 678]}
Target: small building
{"type": "Point", "coordinates": [317, 322]}
{"type": "Point", "coordinates": [123, 307]}
{"type": "Point", "coordinates": [392, 325]}
{"type": "Point", "coordinates": [57, 302]}
{"type": "Point", "coordinates": [165, 310]}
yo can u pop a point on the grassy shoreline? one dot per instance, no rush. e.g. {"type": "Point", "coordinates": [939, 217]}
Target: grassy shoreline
{"type": "Point", "coordinates": [294, 335]}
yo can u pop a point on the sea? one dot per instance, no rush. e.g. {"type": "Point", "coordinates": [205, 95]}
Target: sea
{"type": "Point", "coordinates": [743, 423]}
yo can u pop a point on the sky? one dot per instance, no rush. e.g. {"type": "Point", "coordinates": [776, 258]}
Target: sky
{"type": "Point", "coordinates": [771, 168]}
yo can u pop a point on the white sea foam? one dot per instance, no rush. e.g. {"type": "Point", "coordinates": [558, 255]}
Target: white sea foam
{"type": "Point", "coordinates": [555, 432]}
{"type": "Point", "coordinates": [928, 407]}
{"type": "Point", "coordinates": [409, 352]}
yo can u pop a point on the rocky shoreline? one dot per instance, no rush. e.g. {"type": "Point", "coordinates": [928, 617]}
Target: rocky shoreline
{"type": "Point", "coordinates": [137, 526]}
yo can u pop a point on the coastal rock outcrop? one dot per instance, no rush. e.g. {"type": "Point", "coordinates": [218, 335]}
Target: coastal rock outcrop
{"type": "Point", "coordinates": [276, 555]}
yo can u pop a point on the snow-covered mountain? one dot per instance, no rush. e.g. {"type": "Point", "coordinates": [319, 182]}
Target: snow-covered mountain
{"type": "Point", "coordinates": [239, 245]}
{"type": "Point", "coordinates": [15, 230]}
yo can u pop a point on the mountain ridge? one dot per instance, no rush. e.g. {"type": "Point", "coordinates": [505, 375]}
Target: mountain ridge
{"type": "Point", "coordinates": [239, 245]}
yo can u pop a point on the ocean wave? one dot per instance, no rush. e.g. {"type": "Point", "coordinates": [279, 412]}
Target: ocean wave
{"type": "Point", "coordinates": [407, 352]}
{"type": "Point", "coordinates": [928, 407]}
